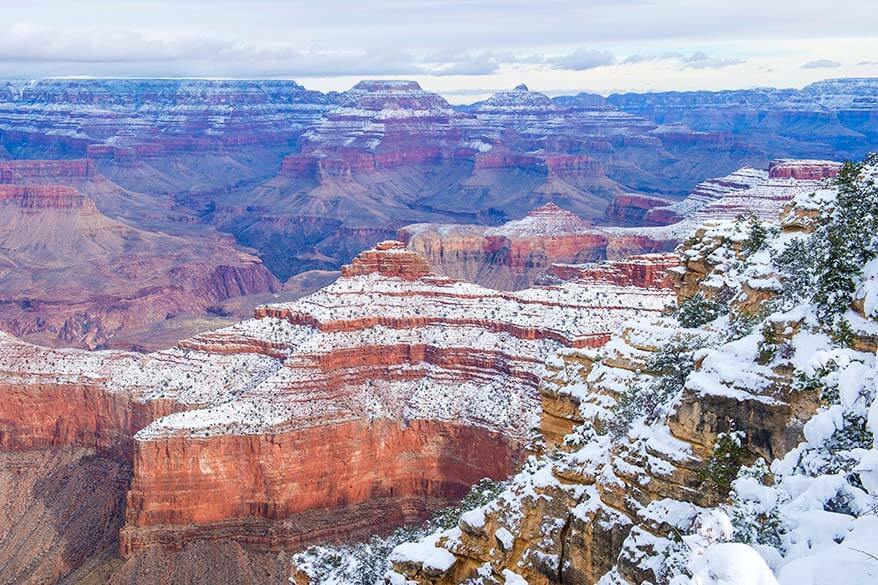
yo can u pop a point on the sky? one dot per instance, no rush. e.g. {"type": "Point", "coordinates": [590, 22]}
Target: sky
{"type": "Point", "coordinates": [464, 49]}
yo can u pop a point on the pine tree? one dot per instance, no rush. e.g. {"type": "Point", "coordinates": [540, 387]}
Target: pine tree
{"type": "Point", "coordinates": [844, 242]}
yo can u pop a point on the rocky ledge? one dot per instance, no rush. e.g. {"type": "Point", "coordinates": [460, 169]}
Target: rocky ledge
{"type": "Point", "coordinates": [363, 406]}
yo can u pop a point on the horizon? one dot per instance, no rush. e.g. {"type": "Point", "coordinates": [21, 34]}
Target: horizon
{"type": "Point", "coordinates": [453, 47]}
{"type": "Point", "coordinates": [458, 98]}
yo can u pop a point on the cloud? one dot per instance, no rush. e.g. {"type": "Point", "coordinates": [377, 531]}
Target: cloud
{"type": "Point", "coordinates": [582, 59]}
{"type": "Point", "coordinates": [488, 62]}
{"type": "Point", "coordinates": [821, 64]}
{"type": "Point", "coordinates": [701, 60]}
{"type": "Point", "coordinates": [43, 51]}
{"type": "Point", "coordinates": [450, 62]}
{"type": "Point", "coordinates": [696, 60]}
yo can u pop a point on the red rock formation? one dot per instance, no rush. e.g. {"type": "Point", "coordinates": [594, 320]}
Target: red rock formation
{"type": "Point", "coordinates": [29, 171]}
{"type": "Point", "coordinates": [644, 270]}
{"type": "Point", "coordinates": [576, 169]}
{"type": "Point", "coordinates": [308, 485]}
{"type": "Point", "coordinates": [367, 404]}
{"type": "Point", "coordinates": [389, 259]}
{"type": "Point", "coordinates": [505, 159]}
{"type": "Point", "coordinates": [58, 246]}
{"type": "Point", "coordinates": [803, 170]}
{"type": "Point", "coordinates": [516, 254]}
{"type": "Point", "coordinates": [37, 416]}
{"type": "Point", "coordinates": [633, 210]}
{"type": "Point", "coordinates": [43, 197]}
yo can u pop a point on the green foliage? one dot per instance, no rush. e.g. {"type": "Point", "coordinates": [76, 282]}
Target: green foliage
{"type": "Point", "coordinates": [721, 468]}
{"type": "Point", "coordinates": [768, 345]}
{"type": "Point", "coordinates": [796, 262]}
{"type": "Point", "coordinates": [842, 333]}
{"type": "Point", "coordinates": [752, 523]}
{"type": "Point", "coordinates": [364, 563]}
{"type": "Point", "coordinates": [757, 238]}
{"type": "Point", "coordinates": [698, 310]}
{"type": "Point", "coordinates": [668, 368]}
{"type": "Point", "coordinates": [824, 268]}
{"type": "Point", "coordinates": [741, 325]}
{"type": "Point", "coordinates": [837, 454]}
{"type": "Point", "coordinates": [817, 382]}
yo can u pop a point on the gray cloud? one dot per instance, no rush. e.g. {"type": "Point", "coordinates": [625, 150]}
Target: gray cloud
{"type": "Point", "coordinates": [400, 37]}
{"type": "Point", "coordinates": [700, 60]}
{"type": "Point", "coordinates": [40, 51]}
{"type": "Point", "coordinates": [582, 59]}
{"type": "Point", "coordinates": [696, 60]}
{"type": "Point", "coordinates": [821, 64]}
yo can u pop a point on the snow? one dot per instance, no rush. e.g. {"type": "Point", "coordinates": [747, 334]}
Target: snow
{"type": "Point", "coordinates": [505, 538]}
{"type": "Point", "coordinates": [808, 519]}
{"type": "Point", "coordinates": [511, 578]}
{"type": "Point", "coordinates": [729, 563]}
{"type": "Point", "coordinates": [474, 518]}
{"type": "Point", "coordinates": [849, 562]}
{"type": "Point", "coordinates": [425, 553]}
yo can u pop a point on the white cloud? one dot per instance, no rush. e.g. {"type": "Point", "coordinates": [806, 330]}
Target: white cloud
{"type": "Point", "coordinates": [695, 60]}
{"type": "Point", "coordinates": [559, 43]}
{"type": "Point", "coordinates": [821, 64]}
{"type": "Point", "coordinates": [582, 59]}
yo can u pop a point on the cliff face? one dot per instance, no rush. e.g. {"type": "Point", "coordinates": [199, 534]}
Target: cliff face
{"type": "Point", "coordinates": [803, 170]}
{"type": "Point", "coordinates": [633, 210]}
{"type": "Point", "coordinates": [317, 484]}
{"type": "Point", "coordinates": [366, 405]}
{"type": "Point", "coordinates": [59, 244]}
{"type": "Point", "coordinates": [653, 461]}
{"type": "Point", "coordinates": [518, 253]}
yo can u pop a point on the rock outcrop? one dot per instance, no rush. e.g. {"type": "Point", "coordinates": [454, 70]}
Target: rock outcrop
{"type": "Point", "coordinates": [518, 253]}
{"type": "Point", "coordinates": [71, 275]}
{"type": "Point", "coordinates": [803, 170]}
{"type": "Point", "coordinates": [635, 210]}
{"type": "Point", "coordinates": [366, 405]}
{"type": "Point", "coordinates": [651, 464]}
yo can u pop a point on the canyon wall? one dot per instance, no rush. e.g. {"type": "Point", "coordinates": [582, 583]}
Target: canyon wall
{"type": "Point", "coordinates": [318, 420]}
{"type": "Point", "coordinates": [306, 485]}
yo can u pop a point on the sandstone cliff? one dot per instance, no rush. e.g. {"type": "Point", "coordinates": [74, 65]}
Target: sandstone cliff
{"type": "Point", "coordinates": [651, 465]}
{"type": "Point", "coordinates": [361, 407]}
{"type": "Point", "coordinates": [519, 253]}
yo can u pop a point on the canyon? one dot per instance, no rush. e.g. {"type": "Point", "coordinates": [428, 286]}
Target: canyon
{"type": "Point", "coordinates": [242, 318]}
{"type": "Point", "coordinates": [363, 406]}
{"type": "Point", "coordinates": [686, 451]}
{"type": "Point", "coordinates": [305, 180]}
{"type": "Point", "coordinates": [519, 253]}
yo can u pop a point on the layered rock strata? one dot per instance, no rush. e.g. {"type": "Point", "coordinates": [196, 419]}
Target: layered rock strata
{"type": "Point", "coordinates": [72, 275]}
{"type": "Point", "coordinates": [628, 484]}
{"type": "Point", "coordinates": [355, 409]}
{"type": "Point", "coordinates": [518, 253]}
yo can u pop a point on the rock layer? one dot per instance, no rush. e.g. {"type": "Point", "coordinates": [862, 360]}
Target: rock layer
{"type": "Point", "coordinates": [360, 407]}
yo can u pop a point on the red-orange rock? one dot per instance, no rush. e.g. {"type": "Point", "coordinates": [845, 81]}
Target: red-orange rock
{"type": "Point", "coordinates": [803, 170]}
{"type": "Point", "coordinates": [633, 210]}
{"type": "Point", "coordinates": [644, 270]}
{"type": "Point", "coordinates": [308, 485]}
{"type": "Point", "coordinates": [365, 405]}
{"type": "Point", "coordinates": [516, 254]}
{"type": "Point", "coordinates": [389, 258]}
{"type": "Point", "coordinates": [43, 197]}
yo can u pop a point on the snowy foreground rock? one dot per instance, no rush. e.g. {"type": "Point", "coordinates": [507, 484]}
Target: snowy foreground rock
{"type": "Point", "coordinates": [732, 443]}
